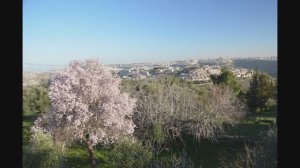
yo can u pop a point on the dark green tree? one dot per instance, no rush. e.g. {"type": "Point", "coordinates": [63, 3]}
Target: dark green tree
{"type": "Point", "coordinates": [261, 89]}
{"type": "Point", "coordinates": [214, 78]}
{"type": "Point", "coordinates": [226, 78]}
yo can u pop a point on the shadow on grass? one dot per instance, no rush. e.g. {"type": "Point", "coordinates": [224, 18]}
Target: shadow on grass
{"type": "Point", "coordinates": [77, 157]}
{"type": "Point", "coordinates": [248, 130]}
{"type": "Point", "coordinates": [205, 153]}
{"type": "Point", "coordinates": [31, 117]}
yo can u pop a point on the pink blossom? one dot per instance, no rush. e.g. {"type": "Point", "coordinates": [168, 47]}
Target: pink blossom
{"type": "Point", "coordinates": [85, 100]}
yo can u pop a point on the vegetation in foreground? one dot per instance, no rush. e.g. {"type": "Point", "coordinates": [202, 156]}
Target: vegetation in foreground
{"type": "Point", "coordinates": [177, 124]}
{"type": "Point", "coordinates": [205, 153]}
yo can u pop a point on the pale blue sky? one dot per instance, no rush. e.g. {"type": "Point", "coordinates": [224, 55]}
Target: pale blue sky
{"type": "Point", "coordinates": [127, 31]}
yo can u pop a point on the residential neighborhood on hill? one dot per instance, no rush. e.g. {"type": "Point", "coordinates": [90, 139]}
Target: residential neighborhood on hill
{"type": "Point", "coordinates": [190, 70]}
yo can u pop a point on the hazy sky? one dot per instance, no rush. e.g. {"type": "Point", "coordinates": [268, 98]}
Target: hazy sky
{"type": "Point", "coordinates": [127, 31]}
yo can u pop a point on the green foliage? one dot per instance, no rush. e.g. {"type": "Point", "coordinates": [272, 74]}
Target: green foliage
{"type": "Point", "coordinates": [261, 90]}
{"type": "Point", "coordinates": [35, 100]}
{"type": "Point", "coordinates": [242, 96]}
{"type": "Point", "coordinates": [26, 131]}
{"type": "Point", "coordinates": [27, 124]}
{"type": "Point", "coordinates": [158, 135]}
{"type": "Point", "coordinates": [130, 153]}
{"type": "Point", "coordinates": [205, 153]}
{"type": "Point", "coordinates": [26, 106]}
{"type": "Point", "coordinates": [214, 79]}
{"type": "Point", "coordinates": [43, 152]}
{"type": "Point", "coordinates": [226, 78]}
{"type": "Point", "coordinates": [149, 86]}
{"type": "Point", "coordinates": [169, 80]}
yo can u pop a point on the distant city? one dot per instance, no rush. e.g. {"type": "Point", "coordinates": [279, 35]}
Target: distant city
{"type": "Point", "coordinates": [191, 70]}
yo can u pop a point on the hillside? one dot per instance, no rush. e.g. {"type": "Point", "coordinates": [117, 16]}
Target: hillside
{"type": "Point", "coordinates": [268, 66]}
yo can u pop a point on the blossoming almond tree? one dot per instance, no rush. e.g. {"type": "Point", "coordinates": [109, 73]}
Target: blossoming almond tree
{"type": "Point", "coordinates": [87, 105]}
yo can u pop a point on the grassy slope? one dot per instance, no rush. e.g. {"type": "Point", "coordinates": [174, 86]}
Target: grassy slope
{"type": "Point", "coordinates": [208, 153]}
{"type": "Point", "coordinates": [205, 153]}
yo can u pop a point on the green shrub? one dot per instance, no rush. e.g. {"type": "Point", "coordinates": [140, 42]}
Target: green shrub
{"type": "Point", "coordinates": [158, 135]}
{"type": "Point", "coordinates": [130, 153]}
{"type": "Point", "coordinates": [35, 100]}
{"type": "Point", "coordinates": [43, 152]}
{"type": "Point", "coordinates": [26, 131]}
{"type": "Point", "coordinates": [262, 88]}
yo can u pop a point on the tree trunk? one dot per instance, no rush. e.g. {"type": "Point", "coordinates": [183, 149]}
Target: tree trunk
{"type": "Point", "coordinates": [91, 153]}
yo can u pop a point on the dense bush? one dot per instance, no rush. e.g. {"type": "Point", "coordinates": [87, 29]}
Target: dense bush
{"type": "Point", "coordinates": [35, 100]}
{"type": "Point", "coordinates": [26, 131]}
{"type": "Point", "coordinates": [262, 88]}
{"type": "Point", "coordinates": [43, 152]}
{"type": "Point", "coordinates": [178, 106]}
{"type": "Point", "coordinates": [227, 78]}
{"type": "Point", "coordinates": [158, 134]}
{"type": "Point", "coordinates": [130, 153]}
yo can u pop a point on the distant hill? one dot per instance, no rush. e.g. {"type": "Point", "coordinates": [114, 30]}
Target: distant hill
{"type": "Point", "coordinates": [268, 66]}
